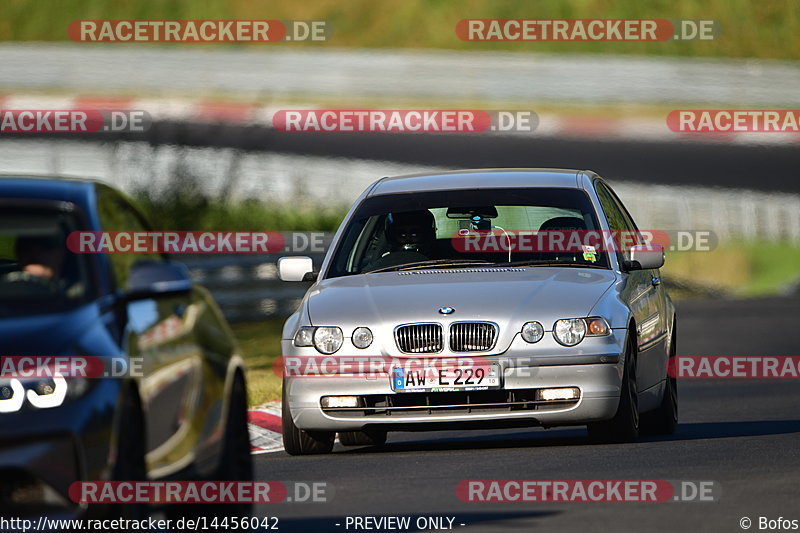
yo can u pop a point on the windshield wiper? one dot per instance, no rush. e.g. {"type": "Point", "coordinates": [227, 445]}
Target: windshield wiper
{"type": "Point", "coordinates": [549, 264]}
{"type": "Point", "coordinates": [430, 263]}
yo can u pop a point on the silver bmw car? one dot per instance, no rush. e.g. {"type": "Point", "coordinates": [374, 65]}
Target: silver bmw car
{"type": "Point", "coordinates": [480, 299]}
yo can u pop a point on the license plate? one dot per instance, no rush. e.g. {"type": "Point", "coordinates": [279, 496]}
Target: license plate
{"type": "Point", "coordinates": [452, 379]}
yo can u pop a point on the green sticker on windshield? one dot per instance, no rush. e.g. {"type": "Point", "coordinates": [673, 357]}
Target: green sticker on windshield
{"type": "Point", "coordinates": [589, 253]}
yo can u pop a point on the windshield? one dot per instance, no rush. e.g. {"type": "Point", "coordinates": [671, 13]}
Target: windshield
{"type": "Point", "coordinates": [469, 228]}
{"type": "Point", "coordinates": [38, 274]}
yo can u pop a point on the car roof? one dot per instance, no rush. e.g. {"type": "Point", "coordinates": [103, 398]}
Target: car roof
{"type": "Point", "coordinates": [56, 188]}
{"type": "Point", "coordinates": [497, 178]}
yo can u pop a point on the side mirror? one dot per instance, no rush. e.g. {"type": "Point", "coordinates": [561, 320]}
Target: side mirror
{"type": "Point", "coordinates": [296, 269]}
{"type": "Point", "coordinates": [645, 257]}
{"type": "Point", "coordinates": [151, 279]}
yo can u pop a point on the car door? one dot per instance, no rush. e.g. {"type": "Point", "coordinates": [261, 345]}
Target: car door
{"type": "Point", "coordinates": [158, 332]}
{"type": "Point", "coordinates": [643, 296]}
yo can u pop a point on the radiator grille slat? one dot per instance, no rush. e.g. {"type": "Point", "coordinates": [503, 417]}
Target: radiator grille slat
{"type": "Point", "coordinates": [419, 338]}
{"type": "Point", "coordinates": [472, 336]}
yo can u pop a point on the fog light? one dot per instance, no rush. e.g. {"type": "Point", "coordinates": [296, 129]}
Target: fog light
{"type": "Point", "coordinates": [339, 401]}
{"type": "Point", "coordinates": [566, 393]}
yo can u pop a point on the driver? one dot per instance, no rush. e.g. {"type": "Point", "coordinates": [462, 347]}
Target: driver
{"type": "Point", "coordinates": [411, 236]}
{"type": "Point", "coordinates": [40, 257]}
{"type": "Point", "coordinates": [40, 260]}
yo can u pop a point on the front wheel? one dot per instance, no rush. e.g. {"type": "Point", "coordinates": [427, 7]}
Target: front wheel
{"type": "Point", "coordinates": [298, 441]}
{"type": "Point", "coordinates": [624, 427]}
{"type": "Point", "coordinates": [664, 420]}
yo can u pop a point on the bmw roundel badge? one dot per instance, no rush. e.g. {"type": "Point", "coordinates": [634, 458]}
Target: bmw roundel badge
{"type": "Point", "coordinates": [446, 310]}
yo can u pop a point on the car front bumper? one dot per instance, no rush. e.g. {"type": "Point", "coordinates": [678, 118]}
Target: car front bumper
{"type": "Point", "coordinates": [597, 375]}
{"type": "Point", "coordinates": [42, 452]}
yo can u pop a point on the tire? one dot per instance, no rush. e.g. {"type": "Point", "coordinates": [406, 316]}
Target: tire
{"type": "Point", "coordinates": [624, 427]}
{"type": "Point", "coordinates": [362, 438]}
{"type": "Point", "coordinates": [130, 464]}
{"type": "Point", "coordinates": [237, 460]}
{"type": "Point", "coordinates": [297, 441]}
{"type": "Point", "coordinates": [664, 420]}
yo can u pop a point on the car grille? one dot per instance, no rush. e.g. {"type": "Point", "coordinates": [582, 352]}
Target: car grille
{"type": "Point", "coordinates": [472, 336]}
{"type": "Point", "coordinates": [419, 338]}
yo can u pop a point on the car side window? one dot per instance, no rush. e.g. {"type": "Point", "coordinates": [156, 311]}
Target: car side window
{"type": "Point", "coordinates": [623, 228]}
{"type": "Point", "coordinates": [116, 214]}
{"type": "Point", "coordinates": [625, 214]}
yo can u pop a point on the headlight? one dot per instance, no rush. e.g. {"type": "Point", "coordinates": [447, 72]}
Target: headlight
{"type": "Point", "coordinates": [304, 336]}
{"type": "Point", "coordinates": [328, 339]}
{"type": "Point", "coordinates": [569, 331]}
{"type": "Point", "coordinates": [46, 393]}
{"type": "Point", "coordinates": [12, 394]}
{"type": "Point", "coordinates": [42, 393]}
{"type": "Point", "coordinates": [362, 338]}
{"type": "Point", "coordinates": [532, 332]}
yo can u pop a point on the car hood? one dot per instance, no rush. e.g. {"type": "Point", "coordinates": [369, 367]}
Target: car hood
{"type": "Point", "coordinates": [506, 296]}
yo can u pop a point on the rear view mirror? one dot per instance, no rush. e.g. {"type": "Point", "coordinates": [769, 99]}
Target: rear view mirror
{"type": "Point", "coordinates": [296, 269]}
{"type": "Point", "coordinates": [150, 279]}
{"type": "Point", "coordinates": [645, 257]}
{"type": "Point", "coordinates": [481, 212]}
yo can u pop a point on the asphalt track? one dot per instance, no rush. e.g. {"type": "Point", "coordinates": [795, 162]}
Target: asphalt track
{"type": "Point", "coordinates": [743, 434]}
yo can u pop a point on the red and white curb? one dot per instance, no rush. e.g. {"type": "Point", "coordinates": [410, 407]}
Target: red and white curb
{"type": "Point", "coordinates": [265, 429]}
{"type": "Point", "coordinates": [551, 125]}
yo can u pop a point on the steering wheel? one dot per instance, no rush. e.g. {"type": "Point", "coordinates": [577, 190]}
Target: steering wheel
{"type": "Point", "coordinates": [24, 284]}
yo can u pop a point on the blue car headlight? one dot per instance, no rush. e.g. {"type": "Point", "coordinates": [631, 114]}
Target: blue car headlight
{"type": "Point", "coordinates": [39, 393]}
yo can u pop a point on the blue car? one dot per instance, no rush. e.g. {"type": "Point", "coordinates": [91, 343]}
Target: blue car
{"type": "Point", "coordinates": [176, 406]}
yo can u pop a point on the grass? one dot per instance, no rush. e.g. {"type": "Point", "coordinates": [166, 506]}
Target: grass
{"type": "Point", "coordinates": [741, 268]}
{"type": "Point", "coordinates": [260, 343]}
{"type": "Point", "coordinates": [763, 29]}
